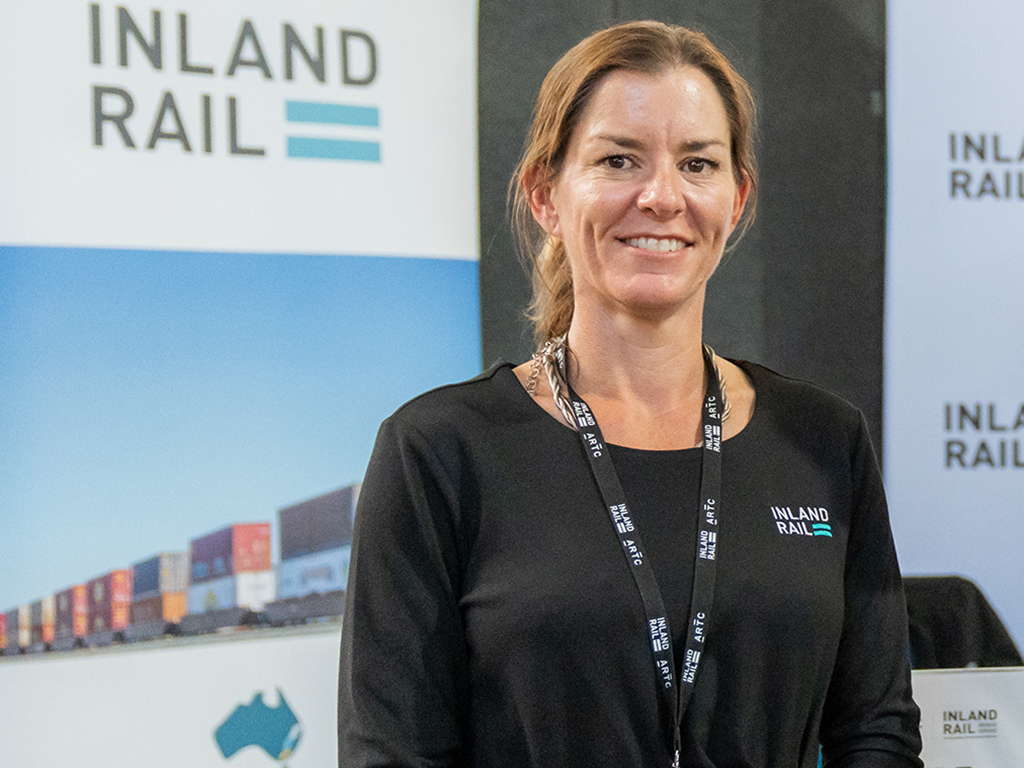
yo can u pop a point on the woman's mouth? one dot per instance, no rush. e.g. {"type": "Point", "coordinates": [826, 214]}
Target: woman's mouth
{"type": "Point", "coordinates": [663, 245]}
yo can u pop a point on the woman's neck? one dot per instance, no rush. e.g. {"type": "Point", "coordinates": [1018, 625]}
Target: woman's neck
{"type": "Point", "coordinates": [644, 379]}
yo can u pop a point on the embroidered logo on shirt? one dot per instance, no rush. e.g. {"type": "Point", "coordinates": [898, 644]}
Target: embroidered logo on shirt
{"type": "Point", "coordinates": [803, 521]}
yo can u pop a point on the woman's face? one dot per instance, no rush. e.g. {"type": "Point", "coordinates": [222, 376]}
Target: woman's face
{"type": "Point", "coordinates": [647, 195]}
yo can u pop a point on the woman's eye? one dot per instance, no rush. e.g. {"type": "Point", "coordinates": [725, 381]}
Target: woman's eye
{"type": "Point", "coordinates": [617, 162]}
{"type": "Point", "coordinates": [700, 165]}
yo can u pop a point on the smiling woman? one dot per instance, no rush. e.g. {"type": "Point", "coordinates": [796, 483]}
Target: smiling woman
{"type": "Point", "coordinates": [578, 561]}
{"type": "Point", "coordinates": [646, 196]}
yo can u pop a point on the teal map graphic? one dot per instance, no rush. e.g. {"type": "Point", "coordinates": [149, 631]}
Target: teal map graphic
{"type": "Point", "coordinates": [276, 730]}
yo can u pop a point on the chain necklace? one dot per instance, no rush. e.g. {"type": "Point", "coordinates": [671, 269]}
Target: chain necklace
{"type": "Point", "coordinates": [551, 357]}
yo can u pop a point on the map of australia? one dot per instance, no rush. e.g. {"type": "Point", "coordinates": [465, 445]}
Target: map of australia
{"type": "Point", "coordinates": [276, 730]}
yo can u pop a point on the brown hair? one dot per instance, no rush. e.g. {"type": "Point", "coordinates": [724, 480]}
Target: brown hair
{"type": "Point", "coordinates": [638, 46]}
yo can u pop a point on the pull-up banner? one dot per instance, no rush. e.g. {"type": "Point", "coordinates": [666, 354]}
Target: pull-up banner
{"type": "Point", "coordinates": [954, 399]}
{"type": "Point", "coordinates": [234, 237]}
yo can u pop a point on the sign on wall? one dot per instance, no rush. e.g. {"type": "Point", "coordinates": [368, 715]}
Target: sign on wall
{"type": "Point", "coordinates": [954, 399]}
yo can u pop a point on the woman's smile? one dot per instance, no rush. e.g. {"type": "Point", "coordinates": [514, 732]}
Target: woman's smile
{"type": "Point", "coordinates": [655, 244]}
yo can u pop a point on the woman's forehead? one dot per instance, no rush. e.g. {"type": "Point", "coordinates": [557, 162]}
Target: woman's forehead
{"type": "Point", "coordinates": [681, 102]}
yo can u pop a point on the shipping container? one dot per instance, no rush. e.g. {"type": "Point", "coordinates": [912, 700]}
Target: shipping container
{"type": "Point", "coordinates": [10, 630]}
{"type": "Point", "coordinates": [108, 598]}
{"type": "Point", "coordinates": [41, 620]}
{"type": "Point", "coordinates": [166, 572]}
{"type": "Point", "coordinates": [72, 613]}
{"type": "Point", "coordinates": [24, 626]}
{"type": "Point", "coordinates": [239, 548]}
{"type": "Point", "coordinates": [19, 628]}
{"type": "Point", "coordinates": [168, 606]}
{"type": "Point", "coordinates": [319, 524]}
{"type": "Point", "coordinates": [3, 632]}
{"type": "Point", "coordinates": [243, 590]}
{"type": "Point", "coordinates": [320, 572]}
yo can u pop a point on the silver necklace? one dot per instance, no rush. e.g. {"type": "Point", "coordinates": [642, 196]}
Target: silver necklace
{"type": "Point", "coordinates": [551, 357]}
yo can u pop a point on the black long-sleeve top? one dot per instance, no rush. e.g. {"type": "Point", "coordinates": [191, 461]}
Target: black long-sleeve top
{"type": "Point", "coordinates": [491, 618]}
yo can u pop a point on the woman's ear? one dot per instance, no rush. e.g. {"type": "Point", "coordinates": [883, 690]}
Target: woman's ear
{"type": "Point", "coordinates": [740, 201]}
{"type": "Point", "coordinates": [538, 186]}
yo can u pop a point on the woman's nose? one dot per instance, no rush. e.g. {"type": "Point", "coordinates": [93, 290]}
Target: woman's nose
{"type": "Point", "coordinates": [663, 193]}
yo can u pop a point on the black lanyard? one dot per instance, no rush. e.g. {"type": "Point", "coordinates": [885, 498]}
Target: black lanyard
{"type": "Point", "coordinates": [674, 696]}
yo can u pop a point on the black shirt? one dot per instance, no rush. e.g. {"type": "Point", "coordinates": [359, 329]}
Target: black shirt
{"type": "Point", "coordinates": [491, 618]}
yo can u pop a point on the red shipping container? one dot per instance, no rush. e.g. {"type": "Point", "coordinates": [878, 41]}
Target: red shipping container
{"type": "Point", "coordinates": [252, 547]}
{"type": "Point", "coordinates": [3, 630]}
{"type": "Point", "coordinates": [239, 548]}
{"type": "Point", "coordinates": [72, 613]}
{"type": "Point", "coordinates": [109, 598]}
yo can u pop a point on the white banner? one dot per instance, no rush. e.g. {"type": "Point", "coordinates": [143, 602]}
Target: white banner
{"type": "Point", "coordinates": [954, 349]}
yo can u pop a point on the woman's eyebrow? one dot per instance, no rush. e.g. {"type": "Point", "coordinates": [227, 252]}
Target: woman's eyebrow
{"type": "Point", "coordinates": [696, 145]}
{"type": "Point", "coordinates": [699, 145]}
{"type": "Point", "coordinates": [623, 141]}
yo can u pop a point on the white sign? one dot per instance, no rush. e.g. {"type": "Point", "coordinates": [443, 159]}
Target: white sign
{"type": "Point", "coordinates": [971, 717]}
{"type": "Point", "coordinates": [954, 349]}
{"type": "Point", "coordinates": [240, 125]}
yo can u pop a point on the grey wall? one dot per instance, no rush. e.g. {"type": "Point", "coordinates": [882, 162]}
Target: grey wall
{"type": "Point", "coordinates": [803, 292]}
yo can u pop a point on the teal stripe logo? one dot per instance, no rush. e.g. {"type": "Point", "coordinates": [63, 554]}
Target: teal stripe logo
{"type": "Point", "coordinates": [332, 114]}
{"type": "Point", "coordinates": [327, 114]}
{"type": "Point", "coordinates": [822, 529]}
{"type": "Point", "coordinates": [333, 149]}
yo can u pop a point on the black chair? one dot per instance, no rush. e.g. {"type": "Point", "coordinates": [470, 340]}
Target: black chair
{"type": "Point", "coordinates": [953, 625]}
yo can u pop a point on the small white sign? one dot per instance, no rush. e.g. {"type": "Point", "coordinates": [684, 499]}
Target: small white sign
{"type": "Point", "coordinates": [971, 717]}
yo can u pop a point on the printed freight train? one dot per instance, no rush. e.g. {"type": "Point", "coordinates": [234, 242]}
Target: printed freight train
{"type": "Point", "coordinates": [225, 579]}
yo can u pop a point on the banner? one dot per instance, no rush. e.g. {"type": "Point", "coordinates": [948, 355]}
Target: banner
{"type": "Point", "coordinates": [954, 349]}
{"type": "Point", "coordinates": [234, 237]}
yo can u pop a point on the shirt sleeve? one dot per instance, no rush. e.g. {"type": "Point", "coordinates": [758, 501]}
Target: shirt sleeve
{"type": "Point", "coordinates": [870, 719]}
{"type": "Point", "coordinates": [403, 672]}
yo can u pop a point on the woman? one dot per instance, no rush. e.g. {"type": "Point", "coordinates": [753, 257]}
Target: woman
{"type": "Point", "coordinates": [627, 551]}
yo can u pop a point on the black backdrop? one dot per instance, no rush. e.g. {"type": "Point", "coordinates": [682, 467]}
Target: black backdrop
{"type": "Point", "coordinates": [803, 292]}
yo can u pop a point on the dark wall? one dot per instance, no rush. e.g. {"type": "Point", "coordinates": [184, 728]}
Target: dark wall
{"type": "Point", "coordinates": [803, 292]}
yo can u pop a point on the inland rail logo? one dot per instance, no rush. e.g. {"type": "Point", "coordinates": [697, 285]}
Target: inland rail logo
{"type": "Point", "coordinates": [986, 166]}
{"type": "Point", "coordinates": [984, 434]}
{"type": "Point", "coordinates": [275, 730]}
{"type": "Point", "coordinates": [803, 521]}
{"type": "Point", "coordinates": [970, 724]}
{"type": "Point", "coordinates": [215, 121]}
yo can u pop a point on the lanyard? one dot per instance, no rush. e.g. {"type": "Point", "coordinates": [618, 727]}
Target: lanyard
{"type": "Point", "coordinates": [675, 694]}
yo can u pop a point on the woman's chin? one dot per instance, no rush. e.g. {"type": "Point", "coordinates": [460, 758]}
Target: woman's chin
{"type": "Point", "coordinates": [659, 302]}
